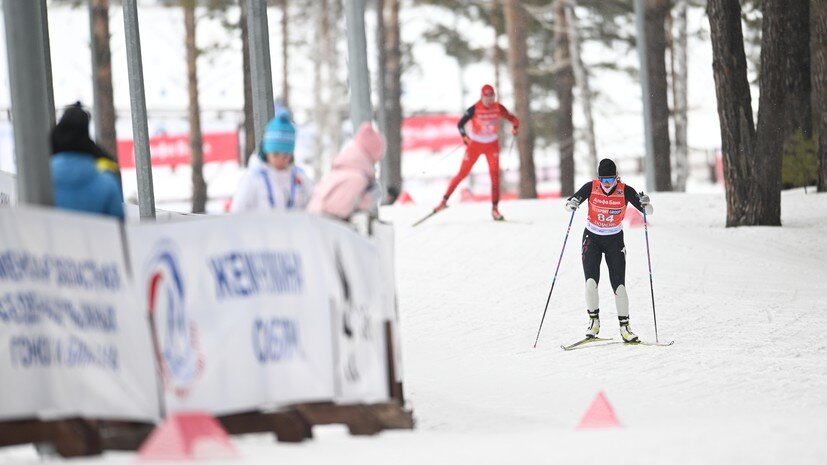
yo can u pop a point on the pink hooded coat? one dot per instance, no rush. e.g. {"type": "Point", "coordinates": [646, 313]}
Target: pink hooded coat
{"type": "Point", "coordinates": [344, 190]}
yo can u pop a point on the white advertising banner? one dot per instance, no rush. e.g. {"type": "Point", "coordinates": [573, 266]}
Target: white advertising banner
{"type": "Point", "coordinates": [359, 316]}
{"type": "Point", "coordinates": [240, 307]}
{"type": "Point", "coordinates": [72, 340]}
{"type": "Point", "coordinates": [383, 235]}
{"type": "Point", "coordinates": [8, 190]}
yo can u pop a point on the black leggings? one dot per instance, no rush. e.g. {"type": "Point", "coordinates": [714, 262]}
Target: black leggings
{"type": "Point", "coordinates": [594, 246]}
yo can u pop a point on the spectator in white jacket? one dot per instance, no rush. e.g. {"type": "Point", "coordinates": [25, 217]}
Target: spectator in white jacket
{"type": "Point", "coordinates": [272, 180]}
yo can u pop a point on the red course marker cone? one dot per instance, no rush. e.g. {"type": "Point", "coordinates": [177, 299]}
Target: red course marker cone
{"type": "Point", "coordinates": [404, 197]}
{"type": "Point", "coordinates": [634, 217]}
{"type": "Point", "coordinates": [185, 436]}
{"type": "Point", "coordinates": [599, 415]}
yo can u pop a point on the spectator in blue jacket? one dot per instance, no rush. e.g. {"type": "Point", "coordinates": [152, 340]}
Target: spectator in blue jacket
{"type": "Point", "coordinates": [77, 182]}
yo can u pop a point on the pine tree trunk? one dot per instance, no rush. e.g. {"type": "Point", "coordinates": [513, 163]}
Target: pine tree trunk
{"type": "Point", "coordinates": [337, 88]}
{"type": "Point", "coordinates": [104, 101]}
{"type": "Point", "coordinates": [796, 77]}
{"type": "Point", "coordinates": [729, 66]}
{"type": "Point", "coordinates": [381, 85]}
{"type": "Point", "coordinates": [393, 76]}
{"type": "Point", "coordinates": [320, 107]}
{"type": "Point", "coordinates": [581, 78]}
{"type": "Point", "coordinates": [819, 82]}
{"type": "Point", "coordinates": [249, 127]}
{"type": "Point", "coordinates": [777, 26]}
{"type": "Point", "coordinates": [656, 11]}
{"type": "Point", "coordinates": [199, 187]}
{"type": "Point", "coordinates": [752, 157]}
{"type": "Point", "coordinates": [564, 84]}
{"type": "Point", "coordinates": [679, 96]}
{"type": "Point", "coordinates": [285, 54]}
{"type": "Point", "coordinates": [518, 63]}
{"type": "Point", "coordinates": [495, 49]}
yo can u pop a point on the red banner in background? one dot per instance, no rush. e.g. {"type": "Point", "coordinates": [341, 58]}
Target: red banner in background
{"type": "Point", "coordinates": [167, 150]}
{"type": "Point", "coordinates": [430, 132]}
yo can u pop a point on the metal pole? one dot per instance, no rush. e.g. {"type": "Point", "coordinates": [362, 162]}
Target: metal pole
{"type": "Point", "coordinates": [261, 73]}
{"type": "Point", "coordinates": [358, 76]}
{"type": "Point", "coordinates": [47, 52]}
{"type": "Point", "coordinates": [640, 20]}
{"type": "Point", "coordinates": [29, 101]}
{"type": "Point", "coordinates": [96, 108]}
{"type": "Point", "coordinates": [381, 88]}
{"type": "Point", "coordinates": [559, 260]}
{"type": "Point", "coordinates": [140, 132]}
{"type": "Point", "coordinates": [651, 282]}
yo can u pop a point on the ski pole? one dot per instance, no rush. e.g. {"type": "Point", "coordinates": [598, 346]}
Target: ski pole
{"type": "Point", "coordinates": [433, 165]}
{"type": "Point", "coordinates": [568, 230]}
{"type": "Point", "coordinates": [651, 285]}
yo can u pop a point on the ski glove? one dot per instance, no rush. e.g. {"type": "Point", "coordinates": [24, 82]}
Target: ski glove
{"type": "Point", "coordinates": [572, 204]}
{"type": "Point", "coordinates": [515, 130]}
{"type": "Point", "coordinates": [466, 140]}
{"type": "Point", "coordinates": [645, 203]}
{"type": "Point", "coordinates": [644, 199]}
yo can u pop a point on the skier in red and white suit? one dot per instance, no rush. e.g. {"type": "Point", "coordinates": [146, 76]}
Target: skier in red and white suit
{"type": "Point", "coordinates": [482, 138]}
{"type": "Point", "coordinates": [607, 197]}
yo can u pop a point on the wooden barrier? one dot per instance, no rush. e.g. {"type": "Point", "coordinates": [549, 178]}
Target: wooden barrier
{"type": "Point", "coordinates": [295, 423]}
{"type": "Point", "coordinates": [75, 437]}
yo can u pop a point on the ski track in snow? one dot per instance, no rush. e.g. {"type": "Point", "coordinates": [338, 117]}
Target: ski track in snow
{"type": "Point", "coordinates": [745, 381]}
{"type": "Point", "coordinates": [745, 306]}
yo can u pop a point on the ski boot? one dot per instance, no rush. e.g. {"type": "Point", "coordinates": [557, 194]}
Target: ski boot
{"type": "Point", "coordinates": [625, 331]}
{"type": "Point", "coordinates": [594, 323]}
{"type": "Point", "coordinates": [495, 213]}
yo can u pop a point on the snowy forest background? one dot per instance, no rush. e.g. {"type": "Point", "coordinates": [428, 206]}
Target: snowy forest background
{"type": "Point", "coordinates": [563, 67]}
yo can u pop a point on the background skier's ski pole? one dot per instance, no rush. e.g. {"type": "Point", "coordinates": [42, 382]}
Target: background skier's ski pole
{"type": "Point", "coordinates": [651, 285]}
{"type": "Point", "coordinates": [438, 161]}
{"type": "Point", "coordinates": [555, 279]}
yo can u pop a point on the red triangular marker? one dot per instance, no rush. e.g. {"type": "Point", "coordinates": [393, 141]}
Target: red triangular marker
{"type": "Point", "coordinates": [405, 197]}
{"type": "Point", "coordinates": [634, 217]}
{"type": "Point", "coordinates": [184, 436]}
{"type": "Point", "coordinates": [465, 195]}
{"type": "Point", "coordinates": [599, 415]}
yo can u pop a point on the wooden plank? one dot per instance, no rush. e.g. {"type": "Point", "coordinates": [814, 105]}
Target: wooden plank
{"type": "Point", "coordinates": [123, 435]}
{"type": "Point", "coordinates": [358, 418]}
{"type": "Point", "coordinates": [23, 432]}
{"type": "Point", "coordinates": [76, 437]}
{"type": "Point", "coordinates": [394, 387]}
{"type": "Point", "coordinates": [288, 426]}
{"type": "Point", "coordinates": [392, 416]}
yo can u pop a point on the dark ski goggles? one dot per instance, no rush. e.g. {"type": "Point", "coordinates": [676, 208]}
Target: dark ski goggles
{"type": "Point", "coordinates": [607, 179]}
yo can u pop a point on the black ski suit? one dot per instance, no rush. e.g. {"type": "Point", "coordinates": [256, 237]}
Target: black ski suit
{"type": "Point", "coordinates": [595, 245]}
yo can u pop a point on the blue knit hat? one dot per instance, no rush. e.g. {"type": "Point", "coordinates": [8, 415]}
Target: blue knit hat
{"type": "Point", "coordinates": [280, 134]}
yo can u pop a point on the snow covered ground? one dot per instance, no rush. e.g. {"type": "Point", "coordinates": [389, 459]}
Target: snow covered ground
{"type": "Point", "coordinates": [744, 383]}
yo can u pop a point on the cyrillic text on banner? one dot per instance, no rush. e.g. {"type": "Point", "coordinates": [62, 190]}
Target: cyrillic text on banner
{"type": "Point", "coordinates": [72, 341]}
{"type": "Point", "coordinates": [240, 308]}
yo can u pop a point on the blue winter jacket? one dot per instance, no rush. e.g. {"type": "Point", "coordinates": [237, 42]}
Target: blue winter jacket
{"type": "Point", "coordinates": [78, 185]}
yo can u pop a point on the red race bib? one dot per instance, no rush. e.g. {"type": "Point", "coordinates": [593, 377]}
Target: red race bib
{"type": "Point", "coordinates": [606, 212]}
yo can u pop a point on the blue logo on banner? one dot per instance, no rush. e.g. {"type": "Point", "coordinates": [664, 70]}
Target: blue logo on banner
{"type": "Point", "coordinates": [176, 336]}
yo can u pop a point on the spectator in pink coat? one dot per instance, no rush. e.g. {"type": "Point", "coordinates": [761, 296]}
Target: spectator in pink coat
{"type": "Point", "coordinates": [351, 185]}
